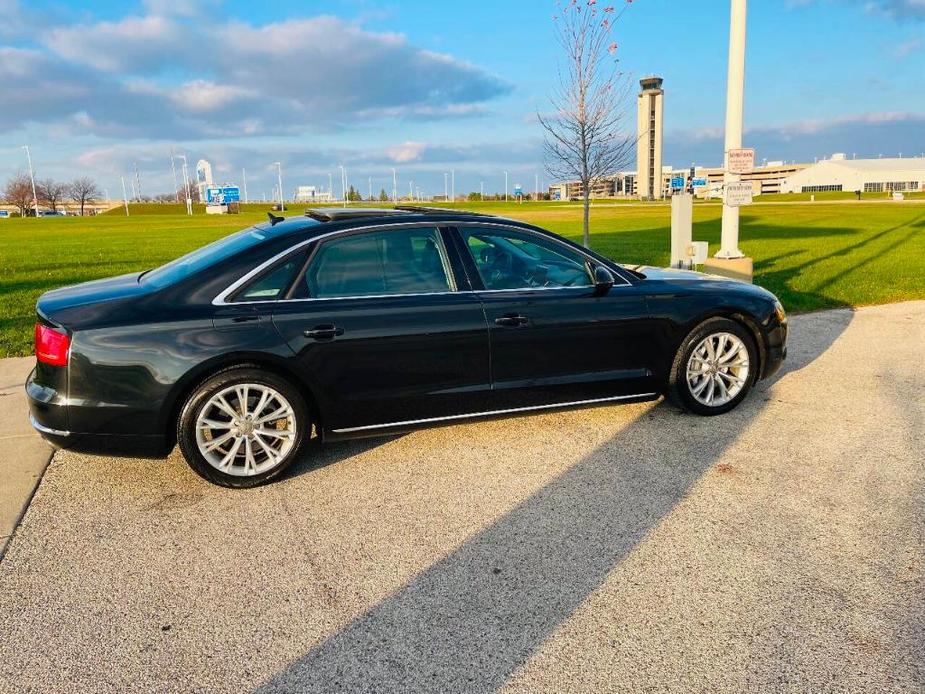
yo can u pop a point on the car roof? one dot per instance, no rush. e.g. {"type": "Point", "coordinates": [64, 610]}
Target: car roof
{"type": "Point", "coordinates": [318, 221]}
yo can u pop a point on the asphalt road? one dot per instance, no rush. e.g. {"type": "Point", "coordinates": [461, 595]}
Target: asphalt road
{"type": "Point", "coordinates": [780, 547]}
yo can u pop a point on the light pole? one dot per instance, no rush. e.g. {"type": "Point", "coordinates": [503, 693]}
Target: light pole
{"type": "Point", "coordinates": [536, 187]}
{"type": "Point", "coordinates": [189, 195]}
{"type": "Point", "coordinates": [453, 189]}
{"type": "Point", "coordinates": [173, 169]}
{"type": "Point", "coordinates": [124, 196]}
{"type": "Point", "coordinates": [331, 186]}
{"type": "Point", "coordinates": [394, 186]}
{"type": "Point", "coordinates": [482, 191]}
{"type": "Point", "coordinates": [446, 192]}
{"type": "Point", "coordinates": [505, 186]}
{"type": "Point", "coordinates": [370, 189]}
{"type": "Point", "coordinates": [244, 179]}
{"type": "Point", "coordinates": [279, 178]}
{"type": "Point", "coordinates": [35, 198]}
{"type": "Point", "coordinates": [735, 90]}
{"type": "Point", "coordinates": [343, 182]}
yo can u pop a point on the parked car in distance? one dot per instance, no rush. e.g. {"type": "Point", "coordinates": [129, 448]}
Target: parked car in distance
{"type": "Point", "coordinates": [348, 323]}
{"type": "Point", "coordinates": [52, 213]}
{"type": "Point", "coordinates": [4, 214]}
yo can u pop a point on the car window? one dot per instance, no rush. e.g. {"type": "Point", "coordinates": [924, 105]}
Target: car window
{"type": "Point", "coordinates": [271, 284]}
{"type": "Point", "coordinates": [396, 261]}
{"type": "Point", "coordinates": [520, 260]}
{"type": "Point", "coordinates": [214, 253]}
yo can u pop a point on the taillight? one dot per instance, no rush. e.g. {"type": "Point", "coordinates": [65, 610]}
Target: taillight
{"type": "Point", "coordinates": [51, 346]}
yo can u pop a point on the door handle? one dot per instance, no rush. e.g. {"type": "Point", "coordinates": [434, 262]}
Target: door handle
{"type": "Point", "coordinates": [323, 332]}
{"type": "Point", "coordinates": [511, 320]}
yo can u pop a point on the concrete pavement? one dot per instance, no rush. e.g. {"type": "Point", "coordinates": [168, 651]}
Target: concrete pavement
{"type": "Point", "coordinates": [25, 454]}
{"type": "Point", "coordinates": [779, 548]}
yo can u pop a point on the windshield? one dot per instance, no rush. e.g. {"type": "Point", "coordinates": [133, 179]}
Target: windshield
{"type": "Point", "coordinates": [201, 258]}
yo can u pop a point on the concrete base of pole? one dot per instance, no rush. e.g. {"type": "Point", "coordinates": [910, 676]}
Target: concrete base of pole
{"type": "Point", "coordinates": [734, 268]}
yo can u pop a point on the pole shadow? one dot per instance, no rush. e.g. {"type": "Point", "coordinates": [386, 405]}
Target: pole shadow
{"type": "Point", "coordinates": [467, 622]}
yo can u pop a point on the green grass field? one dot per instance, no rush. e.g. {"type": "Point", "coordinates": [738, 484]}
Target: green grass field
{"type": "Point", "coordinates": [812, 256]}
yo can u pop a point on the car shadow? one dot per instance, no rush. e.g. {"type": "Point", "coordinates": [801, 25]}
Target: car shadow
{"type": "Point", "coordinates": [469, 620]}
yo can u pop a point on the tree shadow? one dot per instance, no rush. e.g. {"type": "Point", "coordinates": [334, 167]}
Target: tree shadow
{"type": "Point", "coordinates": [472, 618]}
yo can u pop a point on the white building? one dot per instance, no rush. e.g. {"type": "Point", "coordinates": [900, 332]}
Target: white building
{"type": "Point", "coordinates": [312, 194]}
{"type": "Point", "coordinates": [865, 175]}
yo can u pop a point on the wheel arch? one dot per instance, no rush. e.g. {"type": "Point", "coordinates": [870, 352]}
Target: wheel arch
{"type": "Point", "coordinates": [182, 390]}
{"type": "Point", "coordinates": [739, 315]}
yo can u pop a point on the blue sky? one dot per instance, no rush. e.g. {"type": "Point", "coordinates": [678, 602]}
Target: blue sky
{"type": "Point", "coordinates": [428, 87]}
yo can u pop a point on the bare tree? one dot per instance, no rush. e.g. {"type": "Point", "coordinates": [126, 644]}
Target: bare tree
{"type": "Point", "coordinates": [585, 134]}
{"type": "Point", "coordinates": [52, 192]}
{"type": "Point", "coordinates": [18, 192]}
{"type": "Point", "coordinates": [84, 190]}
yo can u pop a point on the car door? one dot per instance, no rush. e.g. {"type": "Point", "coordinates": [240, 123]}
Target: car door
{"type": "Point", "coordinates": [379, 325]}
{"type": "Point", "coordinates": [553, 338]}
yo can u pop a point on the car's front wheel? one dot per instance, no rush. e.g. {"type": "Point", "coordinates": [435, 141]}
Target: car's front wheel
{"type": "Point", "coordinates": [715, 367]}
{"type": "Point", "coordinates": [243, 427]}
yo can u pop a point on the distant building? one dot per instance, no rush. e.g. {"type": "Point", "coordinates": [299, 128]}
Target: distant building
{"type": "Point", "coordinates": [649, 143]}
{"type": "Point", "coordinates": [311, 194]}
{"type": "Point", "coordinates": [866, 175]}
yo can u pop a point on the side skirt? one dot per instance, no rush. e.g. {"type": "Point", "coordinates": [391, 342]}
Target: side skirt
{"type": "Point", "coordinates": [415, 424]}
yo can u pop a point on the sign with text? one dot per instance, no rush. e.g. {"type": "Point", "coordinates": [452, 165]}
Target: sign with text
{"type": "Point", "coordinates": [677, 182]}
{"type": "Point", "coordinates": [738, 194]}
{"type": "Point", "coordinates": [740, 161]}
{"type": "Point", "coordinates": [699, 182]}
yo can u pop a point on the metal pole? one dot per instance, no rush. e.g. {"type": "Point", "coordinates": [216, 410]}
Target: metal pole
{"type": "Point", "coordinates": [189, 194]}
{"type": "Point", "coordinates": [244, 177]}
{"type": "Point", "coordinates": [453, 175]}
{"type": "Point", "coordinates": [394, 186]}
{"type": "Point", "coordinates": [536, 187]}
{"type": "Point", "coordinates": [482, 191]}
{"type": "Point", "coordinates": [35, 198]}
{"type": "Point", "coordinates": [735, 91]}
{"type": "Point", "coordinates": [446, 192]}
{"type": "Point", "coordinates": [343, 182]}
{"type": "Point", "coordinates": [173, 169]}
{"type": "Point", "coordinates": [279, 177]}
{"type": "Point", "coordinates": [505, 186]}
{"type": "Point", "coordinates": [124, 196]}
{"type": "Point", "coordinates": [370, 188]}
{"type": "Point", "coordinates": [137, 185]}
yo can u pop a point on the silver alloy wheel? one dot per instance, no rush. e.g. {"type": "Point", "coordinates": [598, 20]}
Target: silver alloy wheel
{"type": "Point", "coordinates": [246, 429]}
{"type": "Point", "coordinates": [717, 369]}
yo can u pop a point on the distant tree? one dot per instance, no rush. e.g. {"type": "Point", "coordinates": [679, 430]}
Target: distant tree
{"type": "Point", "coordinates": [52, 192]}
{"type": "Point", "coordinates": [585, 136]}
{"type": "Point", "coordinates": [474, 197]}
{"type": "Point", "coordinates": [353, 195]}
{"type": "Point", "coordinates": [18, 192]}
{"type": "Point", "coordinates": [83, 191]}
{"type": "Point", "coordinates": [383, 196]}
{"type": "Point", "coordinates": [193, 192]}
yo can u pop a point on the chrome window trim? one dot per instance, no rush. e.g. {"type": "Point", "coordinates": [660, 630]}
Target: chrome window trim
{"type": "Point", "coordinates": [488, 413]}
{"type": "Point", "coordinates": [221, 298]}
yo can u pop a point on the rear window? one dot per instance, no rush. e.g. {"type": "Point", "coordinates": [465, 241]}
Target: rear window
{"type": "Point", "coordinates": [201, 258]}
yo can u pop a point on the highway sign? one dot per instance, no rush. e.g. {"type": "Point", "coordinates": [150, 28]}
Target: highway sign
{"type": "Point", "coordinates": [677, 183]}
{"type": "Point", "coordinates": [738, 194]}
{"type": "Point", "coordinates": [740, 161]}
{"type": "Point", "coordinates": [699, 182]}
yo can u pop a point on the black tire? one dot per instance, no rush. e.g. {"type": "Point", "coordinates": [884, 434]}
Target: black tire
{"type": "Point", "coordinates": [187, 435]}
{"type": "Point", "coordinates": [679, 390]}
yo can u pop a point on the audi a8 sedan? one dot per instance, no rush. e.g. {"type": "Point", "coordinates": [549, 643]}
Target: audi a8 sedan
{"type": "Point", "coordinates": [348, 323]}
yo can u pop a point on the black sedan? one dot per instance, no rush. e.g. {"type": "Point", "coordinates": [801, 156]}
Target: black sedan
{"type": "Point", "coordinates": [349, 323]}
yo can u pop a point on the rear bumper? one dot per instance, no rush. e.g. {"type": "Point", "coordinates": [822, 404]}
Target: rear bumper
{"type": "Point", "coordinates": [48, 414]}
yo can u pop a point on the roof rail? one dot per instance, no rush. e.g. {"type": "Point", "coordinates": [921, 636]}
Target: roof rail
{"type": "Point", "coordinates": [332, 214]}
{"type": "Point", "coordinates": [423, 209]}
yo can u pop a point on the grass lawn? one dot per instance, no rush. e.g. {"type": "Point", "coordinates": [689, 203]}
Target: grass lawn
{"type": "Point", "coordinates": [812, 256]}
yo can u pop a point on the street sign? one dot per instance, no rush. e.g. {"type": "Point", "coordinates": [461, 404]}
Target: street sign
{"type": "Point", "coordinates": [738, 194]}
{"type": "Point", "coordinates": [740, 161]}
{"type": "Point", "coordinates": [677, 183]}
{"type": "Point", "coordinates": [518, 190]}
{"type": "Point", "coordinates": [223, 195]}
{"type": "Point", "coordinates": [699, 182]}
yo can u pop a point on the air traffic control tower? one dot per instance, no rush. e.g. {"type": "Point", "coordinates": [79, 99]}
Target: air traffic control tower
{"type": "Point", "coordinates": [649, 144]}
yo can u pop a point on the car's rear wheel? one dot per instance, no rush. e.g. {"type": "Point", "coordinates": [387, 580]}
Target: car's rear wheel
{"type": "Point", "coordinates": [243, 427]}
{"type": "Point", "coordinates": [715, 367]}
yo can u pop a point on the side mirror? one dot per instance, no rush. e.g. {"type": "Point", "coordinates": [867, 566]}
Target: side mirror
{"type": "Point", "coordinates": [603, 280]}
